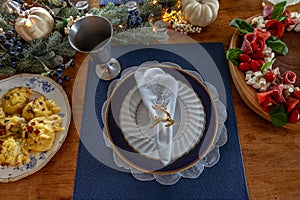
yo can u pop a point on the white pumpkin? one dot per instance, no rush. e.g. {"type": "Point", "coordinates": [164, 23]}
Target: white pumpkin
{"type": "Point", "coordinates": [200, 12]}
{"type": "Point", "coordinates": [35, 23]}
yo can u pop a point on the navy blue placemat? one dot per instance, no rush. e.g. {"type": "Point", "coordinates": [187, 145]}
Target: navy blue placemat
{"type": "Point", "coordinates": [95, 180]}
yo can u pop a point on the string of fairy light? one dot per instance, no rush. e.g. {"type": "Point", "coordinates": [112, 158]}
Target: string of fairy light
{"type": "Point", "coordinates": [175, 18]}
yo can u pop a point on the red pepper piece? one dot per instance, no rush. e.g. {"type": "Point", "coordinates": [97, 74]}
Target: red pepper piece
{"type": "Point", "coordinates": [275, 27]}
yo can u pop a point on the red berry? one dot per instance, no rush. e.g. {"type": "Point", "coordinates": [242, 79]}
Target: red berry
{"type": "Point", "coordinates": [244, 58]}
{"type": "Point", "coordinates": [270, 76]}
{"type": "Point", "coordinates": [294, 116]}
{"type": "Point", "coordinates": [255, 65]}
{"type": "Point", "coordinates": [244, 66]}
{"type": "Point", "coordinates": [258, 56]}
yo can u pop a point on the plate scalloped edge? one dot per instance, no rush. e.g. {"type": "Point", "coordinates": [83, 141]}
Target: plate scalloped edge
{"type": "Point", "coordinates": [211, 158]}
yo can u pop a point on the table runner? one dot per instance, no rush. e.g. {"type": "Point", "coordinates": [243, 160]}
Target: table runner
{"type": "Point", "coordinates": [94, 180]}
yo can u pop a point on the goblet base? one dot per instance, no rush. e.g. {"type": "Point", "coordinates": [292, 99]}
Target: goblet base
{"type": "Point", "coordinates": [108, 71]}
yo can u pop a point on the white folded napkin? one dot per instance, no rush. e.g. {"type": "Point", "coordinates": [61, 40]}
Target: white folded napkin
{"type": "Point", "coordinates": [158, 88]}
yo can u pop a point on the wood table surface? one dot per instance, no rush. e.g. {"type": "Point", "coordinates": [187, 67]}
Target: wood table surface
{"type": "Point", "coordinates": [271, 155]}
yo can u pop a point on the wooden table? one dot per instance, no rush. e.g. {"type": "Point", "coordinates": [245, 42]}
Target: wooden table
{"type": "Point", "coordinates": [271, 155]}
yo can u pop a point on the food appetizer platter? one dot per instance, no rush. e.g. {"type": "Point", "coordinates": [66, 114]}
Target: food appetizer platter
{"type": "Point", "coordinates": [264, 66]}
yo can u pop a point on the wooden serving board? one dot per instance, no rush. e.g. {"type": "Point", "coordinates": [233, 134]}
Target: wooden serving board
{"type": "Point", "coordinates": [248, 93]}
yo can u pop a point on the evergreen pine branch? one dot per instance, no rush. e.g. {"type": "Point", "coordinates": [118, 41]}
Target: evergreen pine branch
{"type": "Point", "coordinates": [45, 59]}
{"type": "Point", "coordinates": [59, 25]}
{"type": "Point", "coordinates": [54, 39]}
{"type": "Point", "coordinates": [95, 11]}
{"type": "Point", "coordinates": [44, 50]}
{"type": "Point", "coordinates": [67, 12]}
{"type": "Point", "coordinates": [59, 45]}
{"type": "Point", "coordinates": [115, 14]}
{"type": "Point", "coordinates": [39, 53]}
{"type": "Point", "coordinates": [148, 8]}
{"type": "Point", "coordinates": [31, 65]}
{"type": "Point", "coordinates": [7, 71]}
{"type": "Point", "coordinates": [64, 48]}
{"type": "Point", "coordinates": [6, 21]}
{"type": "Point", "coordinates": [5, 25]}
{"type": "Point", "coordinates": [37, 47]}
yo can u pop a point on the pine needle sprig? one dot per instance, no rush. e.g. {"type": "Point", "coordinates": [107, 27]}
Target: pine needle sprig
{"type": "Point", "coordinates": [64, 48]}
{"type": "Point", "coordinates": [31, 65]}
{"type": "Point", "coordinates": [53, 40]}
{"type": "Point", "coordinates": [7, 71]}
{"type": "Point", "coordinates": [148, 8]}
{"type": "Point", "coordinates": [59, 45]}
{"type": "Point", "coordinates": [5, 23]}
{"type": "Point", "coordinates": [36, 47]}
{"type": "Point", "coordinates": [67, 12]}
{"type": "Point", "coordinates": [46, 49]}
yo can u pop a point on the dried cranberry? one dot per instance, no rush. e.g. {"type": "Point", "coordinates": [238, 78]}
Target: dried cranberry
{"type": "Point", "coordinates": [29, 129]}
{"type": "Point", "coordinates": [37, 131]}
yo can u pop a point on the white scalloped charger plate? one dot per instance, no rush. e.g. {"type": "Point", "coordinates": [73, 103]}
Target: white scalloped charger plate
{"type": "Point", "coordinates": [188, 128]}
{"type": "Point", "coordinates": [51, 90]}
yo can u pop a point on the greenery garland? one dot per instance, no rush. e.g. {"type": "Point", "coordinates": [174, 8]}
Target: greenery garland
{"type": "Point", "coordinates": [47, 56]}
{"type": "Point", "coordinates": [38, 56]}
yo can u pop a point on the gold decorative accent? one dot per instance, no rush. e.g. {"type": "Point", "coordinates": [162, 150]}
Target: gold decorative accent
{"type": "Point", "coordinates": [158, 120]}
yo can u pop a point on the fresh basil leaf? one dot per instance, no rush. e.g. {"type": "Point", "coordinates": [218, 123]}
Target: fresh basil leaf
{"type": "Point", "coordinates": [243, 26]}
{"type": "Point", "coordinates": [233, 55]}
{"type": "Point", "coordinates": [279, 119]}
{"type": "Point", "coordinates": [278, 109]}
{"type": "Point", "coordinates": [282, 18]}
{"type": "Point", "coordinates": [278, 116]}
{"type": "Point", "coordinates": [278, 10]}
{"type": "Point", "coordinates": [277, 45]}
{"type": "Point", "coordinates": [267, 65]}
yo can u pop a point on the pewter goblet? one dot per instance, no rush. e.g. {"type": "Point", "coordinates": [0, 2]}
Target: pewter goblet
{"type": "Point", "coordinates": [92, 34]}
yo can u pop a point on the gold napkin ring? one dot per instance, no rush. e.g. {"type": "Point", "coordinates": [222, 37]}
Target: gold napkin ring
{"type": "Point", "coordinates": [158, 120]}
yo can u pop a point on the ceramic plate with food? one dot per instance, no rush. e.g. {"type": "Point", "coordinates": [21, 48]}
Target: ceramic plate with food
{"type": "Point", "coordinates": [34, 120]}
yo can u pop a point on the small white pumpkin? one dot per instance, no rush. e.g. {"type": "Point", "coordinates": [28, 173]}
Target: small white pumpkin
{"type": "Point", "coordinates": [35, 23]}
{"type": "Point", "coordinates": [200, 12]}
